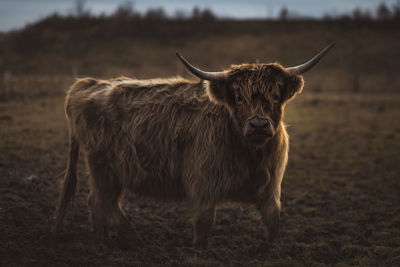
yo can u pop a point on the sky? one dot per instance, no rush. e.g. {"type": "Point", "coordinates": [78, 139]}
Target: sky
{"type": "Point", "coordinates": [15, 14]}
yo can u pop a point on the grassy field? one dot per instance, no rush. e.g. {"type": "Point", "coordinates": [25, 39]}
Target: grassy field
{"type": "Point", "coordinates": [341, 191]}
{"type": "Point", "coordinates": [340, 194]}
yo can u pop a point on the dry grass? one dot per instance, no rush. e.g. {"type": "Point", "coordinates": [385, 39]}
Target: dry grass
{"type": "Point", "coordinates": [26, 87]}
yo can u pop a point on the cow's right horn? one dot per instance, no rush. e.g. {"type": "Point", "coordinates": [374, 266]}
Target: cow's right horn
{"type": "Point", "coordinates": [210, 76]}
{"type": "Point", "coordinates": [297, 70]}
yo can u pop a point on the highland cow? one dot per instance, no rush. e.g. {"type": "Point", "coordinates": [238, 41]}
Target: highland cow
{"type": "Point", "coordinates": [203, 142]}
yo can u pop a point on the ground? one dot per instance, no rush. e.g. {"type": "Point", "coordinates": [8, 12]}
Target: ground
{"type": "Point", "coordinates": [340, 194]}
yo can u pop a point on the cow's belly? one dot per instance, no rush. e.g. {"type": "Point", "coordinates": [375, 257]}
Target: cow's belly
{"type": "Point", "coordinates": [158, 173]}
{"type": "Point", "coordinates": [160, 187]}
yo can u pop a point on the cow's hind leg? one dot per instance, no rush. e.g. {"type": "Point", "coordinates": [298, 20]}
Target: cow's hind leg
{"type": "Point", "coordinates": [97, 215]}
{"type": "Point", "coordinates": [106, 193]}
{"type": "Point", "coordinates": [203, 219]}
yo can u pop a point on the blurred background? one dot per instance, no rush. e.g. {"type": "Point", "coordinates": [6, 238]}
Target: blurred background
{"type": "Point", "coordinates": [340, 195]}
{"type": "Point", "coordinates": [50, 42]}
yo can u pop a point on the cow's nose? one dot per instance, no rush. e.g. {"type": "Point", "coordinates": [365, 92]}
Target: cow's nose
{"type": "Point", "coordinates": [258, 123]}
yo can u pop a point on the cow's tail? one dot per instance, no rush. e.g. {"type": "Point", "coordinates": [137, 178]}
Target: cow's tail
{"type": "Point", "coordinates": [68, 186]}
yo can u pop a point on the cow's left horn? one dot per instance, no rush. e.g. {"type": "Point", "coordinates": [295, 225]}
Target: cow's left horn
{"type": "Point", "coordinates": [297, 70]}
{"type": "Point", "coordinates": [210, 76]}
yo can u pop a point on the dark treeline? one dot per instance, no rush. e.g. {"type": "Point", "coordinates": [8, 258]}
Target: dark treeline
{"type": "Point", "coordinates": [383, 12]}
{"type": "Point", "coordinates": [155, 23]}
{"type": "Point", "coordinates": [126, 11]}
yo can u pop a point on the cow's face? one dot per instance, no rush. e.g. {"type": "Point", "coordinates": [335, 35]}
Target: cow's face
{"type": "Point", "coordinates": [255, 95]}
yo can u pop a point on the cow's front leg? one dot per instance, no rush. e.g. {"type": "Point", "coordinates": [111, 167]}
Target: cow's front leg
{"type": "Point", "coordinates": [270, 214]}
{"type": "Point", "coordinates": [203, 219]}
{"type": "Point", "coordinates": [269, 203]}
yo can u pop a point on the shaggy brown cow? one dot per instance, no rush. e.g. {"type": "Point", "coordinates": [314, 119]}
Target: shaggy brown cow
{"type": "Point", "coordinates": [205, 142]}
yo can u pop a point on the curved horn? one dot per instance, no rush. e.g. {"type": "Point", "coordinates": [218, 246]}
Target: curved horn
{"type": "Point", "coordinates": [210, 76]}
{"type": "Point", "coordinates": [297, 70]}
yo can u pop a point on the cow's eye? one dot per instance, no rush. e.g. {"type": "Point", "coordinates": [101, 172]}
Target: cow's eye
{"type": "Point", "coordinates": [238, 99]}
{"type": "Point", "coordinates": [275, 98]}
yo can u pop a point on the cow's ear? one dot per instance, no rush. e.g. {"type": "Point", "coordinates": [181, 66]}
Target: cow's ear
{"type": "Point", "coordinates": [219, 92]}
{"type": "Point", "coordinates": [294, 86]}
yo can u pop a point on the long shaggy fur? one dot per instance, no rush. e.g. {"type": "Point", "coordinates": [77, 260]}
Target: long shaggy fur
{"type": "Point", "coordinates": [177, 139]}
